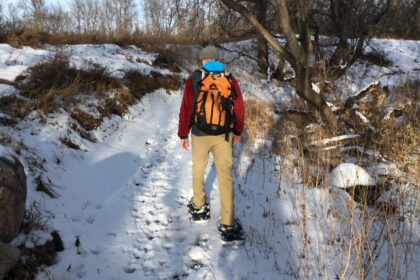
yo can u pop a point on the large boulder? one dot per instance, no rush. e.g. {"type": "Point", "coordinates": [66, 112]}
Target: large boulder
{"type": "Point", "coordinates": [9, 257]}
{"type": "Point", "coordinates": [12, 196]}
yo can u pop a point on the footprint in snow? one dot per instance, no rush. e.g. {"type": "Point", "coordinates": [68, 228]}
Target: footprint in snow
{"type": "Point", "coordinates": [90, 219]}
{"type": "Point", "coordinates": [196, 257]}
{"type": "Point", "coordinates": [76, 218]}
{"type": "Point", "coordinates": [129, 269]}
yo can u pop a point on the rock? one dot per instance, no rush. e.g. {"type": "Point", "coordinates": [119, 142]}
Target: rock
{"type": "Point", "coordinates": [9, 257]}
{"type": "Point", "coordinates": [12, 196]}
{"type": "Point", "coordinates": [347, 175]}
{"type": "Point", "coordinates": [357, 182]}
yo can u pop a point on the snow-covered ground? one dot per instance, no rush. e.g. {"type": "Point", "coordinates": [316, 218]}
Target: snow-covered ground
{"type": "Point", "coordinates": [124, 198]}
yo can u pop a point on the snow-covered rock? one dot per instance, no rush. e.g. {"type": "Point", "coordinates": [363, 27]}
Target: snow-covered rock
{"type": "Point", "coordinates": [348, 175]}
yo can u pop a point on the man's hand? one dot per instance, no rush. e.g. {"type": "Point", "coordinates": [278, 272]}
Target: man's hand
{"type": "Point", "coordinates": [236, 139]}
{"type": "Point", "coordinates": [185, 143]}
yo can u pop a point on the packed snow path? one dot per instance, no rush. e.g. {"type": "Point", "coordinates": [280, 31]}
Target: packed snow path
{"type": "Point", "coordinates": [125, 200]}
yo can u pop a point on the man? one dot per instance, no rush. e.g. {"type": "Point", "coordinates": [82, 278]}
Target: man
{"type": "Point", "coordinates": [213, 109]}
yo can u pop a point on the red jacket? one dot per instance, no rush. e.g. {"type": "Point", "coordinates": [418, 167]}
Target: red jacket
{"type": "Point", "coordinates": [187, 108]}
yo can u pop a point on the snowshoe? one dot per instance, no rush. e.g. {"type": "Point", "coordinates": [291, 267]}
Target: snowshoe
{"type": "Point", "coordinates": [199, 215]}
{"type": "Point", "coordinates": [231, 235]}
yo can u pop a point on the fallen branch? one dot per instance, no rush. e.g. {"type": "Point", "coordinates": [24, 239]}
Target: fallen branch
{"type": "Point", "coordinates": [324, 142]}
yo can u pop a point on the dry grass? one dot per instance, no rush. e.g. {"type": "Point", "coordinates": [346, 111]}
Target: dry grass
{"type": "Point", "coordinates": [55, 84]}
{"type": "Point", "coordinates": [34, 219]}
{"type": "Point", "coordinates": [258, 120]}
{"type": "Point", "coordinates": [140, 84]}
{"type": "Point", "coordinates": [86, 120]}
{"type": "Point", "coordinates": [363, 227]}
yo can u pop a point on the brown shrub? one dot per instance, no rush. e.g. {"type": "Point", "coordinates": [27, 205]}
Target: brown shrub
{"type": "Point", "coordinates": [55, 83]}
{"type": "Point", "coordinates": [86, 120]}
{"type": "Point", "coordinates": [140, 84]}
{"type": "Point", "coordinates": [398, 142]}
{"type": "Point", "coordinates": [13, 106]}
{"type": "Point", "coordinates": [169, 56]}
{"type": "Point", "coordinates": [258, 120]}
{"type": "Point", "coordinates": [117, 105]}
{"type": "Point", "coordinates": [163, 61]}
{"type": "Point", "coordinates": [24, 37]}
{"type": "Point", "coordinates": [82, 132]}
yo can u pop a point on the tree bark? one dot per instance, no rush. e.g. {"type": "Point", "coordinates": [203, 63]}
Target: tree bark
{"type": "Point", "coordinates": [262, 47]}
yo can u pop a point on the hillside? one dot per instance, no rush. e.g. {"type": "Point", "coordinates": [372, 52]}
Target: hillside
{"type": "Point", "coordinates": [115, 182]}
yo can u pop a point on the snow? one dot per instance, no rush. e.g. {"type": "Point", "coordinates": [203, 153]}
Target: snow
{"type": "Point", "coordinates": [6, 90]}
{"type": "Point", "coordinates": [14, 61]}
{"type": "Point", "coordinates": [347, 175]}
{"type": "Point", "coordinates": [404, 56]}
{"type": "Point", "coordinates": [124, 197]}
{"type": "Point", "coordinates": [6, 153]}
{"type": "Point", "coordinates": [116, 60]}
{"type": "Point", "coordinates": [361, 116]}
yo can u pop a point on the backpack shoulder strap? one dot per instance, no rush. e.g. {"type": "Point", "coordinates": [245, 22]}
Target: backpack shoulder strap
{"type": "Point", "coordinates": [197, 76]}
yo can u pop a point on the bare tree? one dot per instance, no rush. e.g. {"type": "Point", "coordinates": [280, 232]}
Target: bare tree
{"type": "Point", "coordinates": [161, 16]}
{"type": "Point", "coordinates": [352, 22]}
{"type": "Point", "coordinates": [124, 12]}
{"type": "Point", "coordinates": [38, 13]}
{"type": "Point", "coordinates": [262, 55]}
{"type": "Point", "coordinates": [260, 9]}
{"type": "Point", "coordinates": [296, 53]}
{"type": "Point", "coordinates": [58, 21]}
{"type": "Point", "coordinates": [2, 16]}
{"type": "Point", "coordinates": [77, 14]}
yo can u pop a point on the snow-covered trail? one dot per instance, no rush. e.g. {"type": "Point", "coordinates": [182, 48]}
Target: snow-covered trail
{"type": "Point", "coordinates": [125, 200]}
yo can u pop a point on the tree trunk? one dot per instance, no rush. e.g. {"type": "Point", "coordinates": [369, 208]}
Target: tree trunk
{"type": "Point", "coordinates": [261, 42]}
{"type": "Point", "coordinates": [297, 55]}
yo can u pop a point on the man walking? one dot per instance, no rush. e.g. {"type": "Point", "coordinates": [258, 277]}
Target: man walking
{"type": "Point", "coordinates": [213, 109]}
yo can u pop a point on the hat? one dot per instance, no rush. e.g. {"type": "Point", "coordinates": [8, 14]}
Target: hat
{"type": "Point", "coordinates": [209, 52]}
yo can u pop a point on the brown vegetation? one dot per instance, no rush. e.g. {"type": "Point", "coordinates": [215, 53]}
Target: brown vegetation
{"type": "Point", "coordinates": [258, 120]}
{"type": "Point", "coordinates": [140, 84]}
{"type": "Point", "coordinates": [55, 83]}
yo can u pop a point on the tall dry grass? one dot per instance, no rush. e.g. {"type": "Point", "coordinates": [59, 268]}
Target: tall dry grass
{"type": "Point", "coordinates": [362, 233]}
{"type": "Point", "coordinates": [55, 84]}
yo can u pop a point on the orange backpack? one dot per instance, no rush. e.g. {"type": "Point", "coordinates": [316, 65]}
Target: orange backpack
{"type": "Point", "coordinates": [213, 102]}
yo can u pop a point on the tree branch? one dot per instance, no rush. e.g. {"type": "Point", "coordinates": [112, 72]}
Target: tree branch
{"type": "Point", "coordinates": [260, 28]}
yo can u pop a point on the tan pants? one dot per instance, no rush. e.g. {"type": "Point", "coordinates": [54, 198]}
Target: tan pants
{"type": "Point", "coordinates": [222, 155]}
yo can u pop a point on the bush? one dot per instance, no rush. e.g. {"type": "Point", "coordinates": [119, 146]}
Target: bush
{"type": "Point", "coordinates": [258, 120]}
{"type": "Point", "coordinates": [140, 84]}
{"type": "Point", "coordinates": [55, 83]}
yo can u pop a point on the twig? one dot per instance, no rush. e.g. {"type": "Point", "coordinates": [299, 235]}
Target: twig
{"type": "Point", "coordinates": [237, 52]}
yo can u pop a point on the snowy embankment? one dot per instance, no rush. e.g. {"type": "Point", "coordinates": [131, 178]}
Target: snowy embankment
{"type": "Point", "coordinates": [121, 205]}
